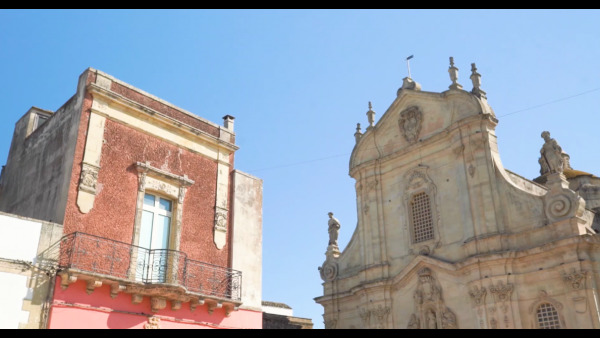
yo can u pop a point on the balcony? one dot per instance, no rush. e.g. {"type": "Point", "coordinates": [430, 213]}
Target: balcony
{"type": "Point", "coordinates": [159, 274]}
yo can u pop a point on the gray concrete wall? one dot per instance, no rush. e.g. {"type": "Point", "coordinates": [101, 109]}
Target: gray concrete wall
{"type": "Point", "coordinates": [246, 252]}
{"type": "Point", "coordinates": [37, 174]}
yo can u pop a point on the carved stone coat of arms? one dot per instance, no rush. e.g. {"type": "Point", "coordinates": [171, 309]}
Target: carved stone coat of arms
{"type": "Point", "coordinates": [410, 123]}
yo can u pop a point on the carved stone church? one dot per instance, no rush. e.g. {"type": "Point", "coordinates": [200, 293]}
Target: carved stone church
{"type": "Point", "coordinates": [447, 238]}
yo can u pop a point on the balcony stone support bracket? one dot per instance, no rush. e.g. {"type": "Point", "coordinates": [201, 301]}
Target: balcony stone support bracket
{"type": "Point", "coordinates": [158, 303]}
{"type": "Point", "coordinates": [195, 302]}
{"type": "Point", "coordinates": [136, 298]}
{"type": "Point", "coordinates": [211, 305]}
{"type": "Point", "coordinates": [92, 284]}
{"type": "Point", "coordinates": [229, 307]}
{"type": "Point", "coordinates": [175, 305]}
{"type": "Point", "coordinates": [66, 279]}
{"type": "Point", "coordinates": [115, 289]}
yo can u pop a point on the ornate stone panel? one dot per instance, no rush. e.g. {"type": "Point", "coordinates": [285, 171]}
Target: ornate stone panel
{"type": "Point", "coordinates": [410, 123]}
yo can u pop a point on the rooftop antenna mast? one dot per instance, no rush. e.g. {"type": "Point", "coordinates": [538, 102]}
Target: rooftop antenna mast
{"type": "Point", "coordinates": [408, 65]}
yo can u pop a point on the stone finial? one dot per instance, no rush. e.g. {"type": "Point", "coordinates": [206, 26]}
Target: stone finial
{"type": "Point", "coordinates": [371, 116]}
{"type": "Point", "coordinates": [228, 122]}
{"type": "Point", "coordinates": [408, 83]}
{"type": "Point", "coordinates": [453, 71]}
{"type": "Point", "coordinates": [358, 133]}
{"type": "Point", "coordinates": [476, 79]}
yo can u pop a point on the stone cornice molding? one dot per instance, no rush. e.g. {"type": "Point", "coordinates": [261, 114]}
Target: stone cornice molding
{"type": "Point", "coordinates": [147, 168]}
{"type": "Point", "coordinates": [192, 132]}
{"type": "Point", "coordinates": [101, 74]}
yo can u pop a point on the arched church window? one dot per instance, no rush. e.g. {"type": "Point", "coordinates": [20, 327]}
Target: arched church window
{"type": "Point", "coordinates": [547, 316]}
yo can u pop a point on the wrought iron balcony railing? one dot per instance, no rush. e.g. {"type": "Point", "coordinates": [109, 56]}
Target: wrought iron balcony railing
{"type": "Point", "coordinates": [102, 256]}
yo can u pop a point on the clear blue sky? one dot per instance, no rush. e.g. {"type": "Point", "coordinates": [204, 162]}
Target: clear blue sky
{"type": "Point", "coordinates": [298, 81]}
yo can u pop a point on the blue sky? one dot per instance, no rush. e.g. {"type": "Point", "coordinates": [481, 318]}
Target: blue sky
{"type": "Point", "coordinates": [298, 81]}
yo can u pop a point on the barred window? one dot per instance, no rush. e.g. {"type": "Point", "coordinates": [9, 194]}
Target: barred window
{"type": "Point", "coordinates": [547, 317]}
{"type": "Point", "coordinates": [421, 218]}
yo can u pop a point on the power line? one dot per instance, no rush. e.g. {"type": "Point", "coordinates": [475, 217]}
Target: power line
{"type": "Point", "coordinates": [345, 154]}
{"type": "Point", "coordinates": [547, 103]}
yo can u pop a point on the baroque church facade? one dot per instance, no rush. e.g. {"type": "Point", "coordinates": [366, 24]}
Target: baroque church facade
{"type": "Point", "coordinates": [447, 238]}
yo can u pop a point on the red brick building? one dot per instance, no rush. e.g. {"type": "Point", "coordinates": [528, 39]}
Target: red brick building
{"type": "Point", "coordinates": [152, 207]}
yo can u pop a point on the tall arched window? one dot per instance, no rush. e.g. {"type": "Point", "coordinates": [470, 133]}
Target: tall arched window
{"type": "Point", "coordinates": [422, 218]}
{"type": "Point", "coordinates": [547, 316]}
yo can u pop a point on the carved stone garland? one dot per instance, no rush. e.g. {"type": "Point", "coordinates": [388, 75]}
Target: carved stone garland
{"type": "Point", "coordinates": [374, 318]}
{"type": "Point", "coordinates": [478, 298]}
{"type": "Point", "coordinates": [502, 298]}
{"type": "Point", "coordinates": [575, 284]}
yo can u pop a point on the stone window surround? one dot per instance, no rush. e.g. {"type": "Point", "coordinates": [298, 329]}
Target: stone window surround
{"type": "Point", "coordinates": [162, 184]}
{"type": "Point", "coordinates": [547, 311]}
{"type": "Point", "coordinates": [542, 299]}
{"type": "Point", "coordinates": [419, 182]}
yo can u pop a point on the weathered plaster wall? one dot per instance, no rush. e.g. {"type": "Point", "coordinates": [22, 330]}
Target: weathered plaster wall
{"type": "Point", "coordinates": [38, 170]}
{"type": "Point", "coordinates": [246, 249]}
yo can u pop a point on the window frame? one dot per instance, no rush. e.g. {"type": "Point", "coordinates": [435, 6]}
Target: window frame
{"type": "Point", "coordinates": [161, 184]}
{"type": "Point", "coordinates": [417, 182]}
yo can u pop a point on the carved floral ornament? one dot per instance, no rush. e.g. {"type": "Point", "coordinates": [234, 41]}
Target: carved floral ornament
{"type": "Point", "coordinates": [478, 295]}
{"type": "Point", "coordinates": [89, 178]}
{"type": "Point", "coordinates": [576, 280]}
{"type": "Point", "coordinates": [410, 123]}
{"type": "Point", "coordinates": [221, 219]}
{"type": "Point", "coordinates": [417, 179]}
{"type": "Point", "coordinates": [153, 323]}
{"type": "Point", "coordinates": [501, 292]}
{"type": "Point", "coordinates": [377, 315]}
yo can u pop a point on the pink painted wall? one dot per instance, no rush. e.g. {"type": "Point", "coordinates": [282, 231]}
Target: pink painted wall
{"type": "Point", "coordinates": [73, 308]}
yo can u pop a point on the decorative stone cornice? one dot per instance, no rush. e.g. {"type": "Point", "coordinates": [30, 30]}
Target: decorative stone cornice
{"type": "Point", "coordinates": [111, 96]}
{"type": "Point", "coordinates": [145, 167]}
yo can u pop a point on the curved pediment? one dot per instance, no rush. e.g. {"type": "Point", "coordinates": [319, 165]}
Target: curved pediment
{"type": "Point", "coordinates": [415, 117]}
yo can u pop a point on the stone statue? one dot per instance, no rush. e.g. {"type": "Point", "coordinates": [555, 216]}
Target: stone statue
{"type": "Point", "coordinates": [551, 159]}
{"type": "Point", "coordinates": [448, 320]}
{"type": "Point", "coordinates": [334, 229]}
{"type": "Point", "coordinates": [431, 320]}
{"type": "Point", "coordinates": [413, 323]}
